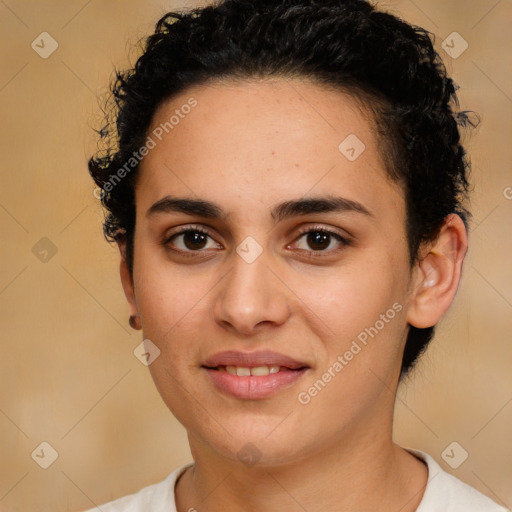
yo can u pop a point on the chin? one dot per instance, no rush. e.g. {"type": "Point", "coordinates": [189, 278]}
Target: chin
{"type": "Point", "coordinates": [252, 440]}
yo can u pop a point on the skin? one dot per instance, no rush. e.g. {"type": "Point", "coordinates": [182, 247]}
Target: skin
{"type": "Point", "coordinates": [248, 146]}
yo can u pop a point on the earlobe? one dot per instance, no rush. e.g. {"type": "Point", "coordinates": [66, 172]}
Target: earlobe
{"type": "Point", "coordinates": [134, 322]}
{"type": "Point", "coordinates": [128, 285]}
{"type": "Point", "coordinates": [437, 274]}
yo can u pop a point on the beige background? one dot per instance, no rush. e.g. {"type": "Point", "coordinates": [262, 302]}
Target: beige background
{"type": "Point", "coordinates": [68, 374]}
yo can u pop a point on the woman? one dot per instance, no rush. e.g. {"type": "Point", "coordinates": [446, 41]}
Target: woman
{"type": "Point", "coordinates": [287, 195]}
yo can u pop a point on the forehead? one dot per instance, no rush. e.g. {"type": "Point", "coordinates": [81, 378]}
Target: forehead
{"type": "Point", "coordinates": [259, 142]}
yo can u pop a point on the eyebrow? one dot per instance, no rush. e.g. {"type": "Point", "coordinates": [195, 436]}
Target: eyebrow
{"type": "Point", "coordinates": [295, 208]}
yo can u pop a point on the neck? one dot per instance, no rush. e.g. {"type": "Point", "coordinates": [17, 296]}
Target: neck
{"type": "Point", "coordinates": [364, 472]}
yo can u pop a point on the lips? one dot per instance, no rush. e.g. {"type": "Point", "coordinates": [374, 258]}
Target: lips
{"type": "Point", "coordinates": [253, 375]}
{"type": "Point", "coordinates": [252, 359]}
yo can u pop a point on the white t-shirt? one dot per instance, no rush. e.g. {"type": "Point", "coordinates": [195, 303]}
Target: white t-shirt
{"type": "Point", "coordinates": [444, 493]}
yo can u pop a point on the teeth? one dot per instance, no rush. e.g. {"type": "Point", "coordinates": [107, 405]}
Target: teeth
{"type": "Point", "coordinates": [260, 370]}
{"type": "Point", "coordinates": [243, 371]}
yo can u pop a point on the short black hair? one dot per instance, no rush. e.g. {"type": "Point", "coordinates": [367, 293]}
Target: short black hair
{"type": "Point", "coordinates": [348, 44]}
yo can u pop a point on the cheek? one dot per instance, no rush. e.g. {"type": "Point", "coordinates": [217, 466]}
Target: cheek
{"type": "Point", "coordinates": [172, 305]}
{"type": "Point", "coordinates": [175, 309]}
{"type": "Point", "coordinates": [363, 314]}
{"type": "Point", "coordinates": [166, 293]}
{"type": "Point", "coordinates": [174, 314]}
{"type": "Point", "coordinates": [352, 300]}
{"type": "Point", "coordinates": [364, 324]}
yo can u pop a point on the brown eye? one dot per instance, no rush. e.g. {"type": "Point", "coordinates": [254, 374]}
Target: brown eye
{"type": "Point", "coordinates": [320, 240]}
{"type": "Point", "coordinates": [190, 240]}
{"type": "Point", "coordinates": [194, 240]}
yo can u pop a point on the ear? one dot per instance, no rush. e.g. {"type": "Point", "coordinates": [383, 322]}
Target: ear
{"type": "Point", "coordinates": [436, 277]}
{"type": "Point", "coordinates": [126, 277]}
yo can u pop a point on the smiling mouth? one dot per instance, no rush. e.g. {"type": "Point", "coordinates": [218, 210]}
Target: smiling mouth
{"type": "Point", "coordinates": [254, 380]}
{"type": "Point", "coordinates": [255, 371]}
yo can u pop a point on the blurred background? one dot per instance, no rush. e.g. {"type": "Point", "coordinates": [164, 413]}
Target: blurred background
{"type": "Point", "coordinates": [69, 378]}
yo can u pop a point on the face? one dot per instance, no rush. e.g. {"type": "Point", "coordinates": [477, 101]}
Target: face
{"type": "Point", "coordinates": [269, 236]}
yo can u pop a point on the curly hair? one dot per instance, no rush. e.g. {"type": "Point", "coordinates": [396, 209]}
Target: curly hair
{"type": "Point", "coordinates": [348, 44]}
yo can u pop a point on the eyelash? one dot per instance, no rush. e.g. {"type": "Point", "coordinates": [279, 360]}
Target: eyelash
{"type": "Point", "coordinates": [344, 241]}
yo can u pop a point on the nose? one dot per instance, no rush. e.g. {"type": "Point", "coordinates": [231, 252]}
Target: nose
{"type": "Point", "coordinates": [250, 297]}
